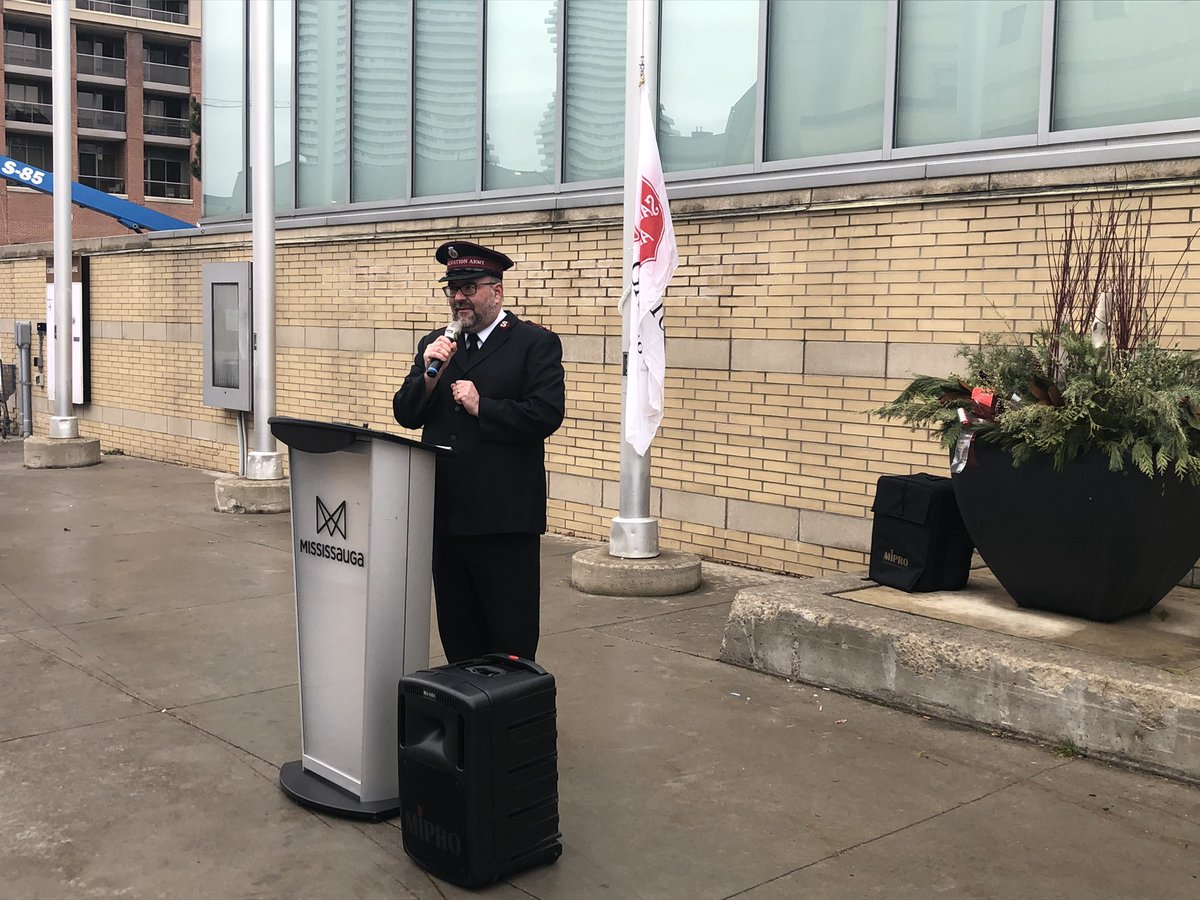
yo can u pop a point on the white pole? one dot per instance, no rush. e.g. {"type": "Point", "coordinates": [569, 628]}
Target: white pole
{"type": "Point", "coordinates": [63, 423]}
{"type": "Point", "coordinates": [634, 533]}
{"type": "Point", "coordinates": [264, 461]}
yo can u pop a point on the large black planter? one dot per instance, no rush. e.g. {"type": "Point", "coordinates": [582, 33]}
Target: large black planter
{"type": "Point", "coordinates": [1085, 541]}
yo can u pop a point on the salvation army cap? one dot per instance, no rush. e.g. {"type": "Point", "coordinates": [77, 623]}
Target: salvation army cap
{"type": "Point", "coordinates": [463, 259]}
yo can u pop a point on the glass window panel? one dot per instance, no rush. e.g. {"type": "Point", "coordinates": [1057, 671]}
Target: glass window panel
{"type": "Point", "coordinates": [445, 104]}
{"type": "Point", "coordinates": [519, 108]}
{"type": "Point", "coordinates": [967, 70]}
{"type": "Point", "coordinates": [284, 58]}
{"type": "Point", "coordinates": [594, 113]}
{"type": "Point", "coordinates": [379, 146]}
{"type": "Point", "coordinates": [825, 77]}
{"type": "Point", "coordinates": [322, 85]}
{"type": "Point", "coordinates": [707, 83]}
{"type": "Point", "coordinates": [223, 135]}
{"type": "Point", "coordinates": [1119, 62]}
{"type": "Point", "coordinates": [282, 20]}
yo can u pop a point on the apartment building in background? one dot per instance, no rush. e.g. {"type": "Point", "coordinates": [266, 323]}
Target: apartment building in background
{"type": "Point", "coordinates": [135, 65]}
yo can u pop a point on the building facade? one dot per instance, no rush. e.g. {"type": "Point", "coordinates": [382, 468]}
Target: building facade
{"type": "Point", "coordinates": [135, 69]}
{"type": "Point", "coordinates": [858, 188]}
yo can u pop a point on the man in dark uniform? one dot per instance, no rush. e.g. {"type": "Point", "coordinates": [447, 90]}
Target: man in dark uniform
{"type": "Point", "coordinates": [498, 394]}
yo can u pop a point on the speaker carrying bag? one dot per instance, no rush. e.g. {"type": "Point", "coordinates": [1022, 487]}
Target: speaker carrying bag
{"type": "Point", "coordinates": [918, 540]}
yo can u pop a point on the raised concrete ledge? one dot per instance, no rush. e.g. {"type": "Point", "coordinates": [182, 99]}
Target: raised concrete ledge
{"type": "Point", "coordinates": [672, 572]}
{"type": "Point", "coordinates": [236, 494]}
{"type": "Point", "coordinates": [1110, 709]}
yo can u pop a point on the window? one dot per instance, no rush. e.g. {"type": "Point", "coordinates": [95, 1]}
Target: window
{"type": "Point", "coordinates": [101, 100]}
{"type": "Point", "coordinates": [170, 54]}
{"type": "Point", "coordinates": [100, 166]}
{"type": "Point", "coordinates": [594, 106]}
{"type": "Point", "coordinates": [100, 45]}
{"type": "Point", "coordinates": [825, 77]}
{"type": "Point", "coordinates": [166, 173]}
{"type": "Point", "coordinates": [707, 104]}
{"type": "Point", "coordinates": [1122, 63]}
{"type": "Point", "coordinates": [27, 102]}
{"type": "Point", "coordinates": [223, 136]}
{"type": "Point", "coordinates": [520, 103]}
{"type": "Point", "coordinates": [379, 98]}
{"type": "Point", "coordinates": [322, 82]}
{"type": "Point", "coordinates": [445, 96]}
{"type": "Point", "coordinates": [18, 35]}
{"type": "Point", "coordinates": [968, 71]}
{"type": "Point", "coordinates": [33, 149]}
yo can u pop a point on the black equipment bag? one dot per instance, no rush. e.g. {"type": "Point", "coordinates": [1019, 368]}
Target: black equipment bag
{"type": "Point", "coordinates": [478, 762]}
{"type": "Point", "coordinates": [918, 540]}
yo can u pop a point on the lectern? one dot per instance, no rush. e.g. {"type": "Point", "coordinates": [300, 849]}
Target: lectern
{"type": "Point", "coordinates": [362, 538]}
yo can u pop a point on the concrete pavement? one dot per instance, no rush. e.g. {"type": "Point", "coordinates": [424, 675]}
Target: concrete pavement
{"type": "Point", "coordinates": [147, 654]}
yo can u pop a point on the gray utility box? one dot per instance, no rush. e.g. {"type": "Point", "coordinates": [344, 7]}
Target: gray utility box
{"type": "Point", "coordinates": [362, 538]}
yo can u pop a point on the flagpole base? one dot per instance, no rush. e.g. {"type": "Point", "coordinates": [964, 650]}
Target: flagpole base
{"type": "Point", "coordinates": [670, 573]}
{"type": "Point", "coordinates": [633, 538]}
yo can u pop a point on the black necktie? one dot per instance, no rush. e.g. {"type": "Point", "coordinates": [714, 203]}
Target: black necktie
{"type": "Point", "coordinates": [472, 343]}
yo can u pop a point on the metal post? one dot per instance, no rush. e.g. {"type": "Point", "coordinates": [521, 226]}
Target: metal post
{"type": "Point", "coordinates": [23, 335]}
{"type": "Point", "coordinates": [634, 533]}
{"type": "Point", "coordinates": [63, 423]}
{"type": "Point", "coordinates": [264, 461]}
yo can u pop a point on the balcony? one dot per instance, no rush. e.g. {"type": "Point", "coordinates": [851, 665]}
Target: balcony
{"type": "Point", "coordinates": [105, 66]}
{"type": "Point", "coordinates": [164, 126]}
{"type": "Point", "coordinates": [30, 57]}
{"type": "Point", "coordinates": [104, 183]}
{"type": "Point", "coordinates": [27, 111]}
{"type": "Point", "coordinates": [138, 10]}
{"type": "Point", "coordinates": [169, 190]}
{"type": "Point", "coordinates": [102, 119]}
{"type": "Point", "coordinates": [162, 73]}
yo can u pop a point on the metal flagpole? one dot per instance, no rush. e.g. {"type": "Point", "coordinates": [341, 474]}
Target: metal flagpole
{"type": "Point", "coordinates": [63, 424]}
{"type": "Point", "coordinates": [264, 462]}
{"type": "Point", "coordinates": [634, 532]}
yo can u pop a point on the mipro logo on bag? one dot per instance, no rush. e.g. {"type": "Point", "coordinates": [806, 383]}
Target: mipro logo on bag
{"type": "Point", "coordinates": [895, 559]}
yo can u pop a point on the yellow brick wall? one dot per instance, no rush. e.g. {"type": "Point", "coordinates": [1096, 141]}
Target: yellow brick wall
{"type": "Point", "coordinates": [855, 284]}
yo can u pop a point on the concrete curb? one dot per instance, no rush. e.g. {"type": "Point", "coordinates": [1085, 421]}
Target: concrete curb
{"type": "Point", "coordinates": [1112, 710]}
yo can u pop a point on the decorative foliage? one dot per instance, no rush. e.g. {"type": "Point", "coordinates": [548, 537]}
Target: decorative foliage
{"type": "Point", "coordinates": [1095, 377]}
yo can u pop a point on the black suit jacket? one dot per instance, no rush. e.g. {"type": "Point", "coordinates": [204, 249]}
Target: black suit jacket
{"type": "Point", "coordinates": [495, 481]}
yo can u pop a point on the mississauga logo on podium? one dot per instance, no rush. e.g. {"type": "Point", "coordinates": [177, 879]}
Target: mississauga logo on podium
{"type": "Point", "coordinates": [332, 522]}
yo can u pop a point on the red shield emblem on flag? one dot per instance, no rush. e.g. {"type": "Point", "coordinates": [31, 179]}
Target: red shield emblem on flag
{"type": "Point", "coordinates": [648, 226]}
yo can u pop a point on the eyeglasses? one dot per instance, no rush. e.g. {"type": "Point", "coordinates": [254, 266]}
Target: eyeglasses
{"type": "Point", "coordinates": [467, 288]}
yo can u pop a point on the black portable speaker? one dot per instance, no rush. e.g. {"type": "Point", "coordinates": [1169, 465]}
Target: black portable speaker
{"type": "Point", "coordinates": [479, 768]}
{"type": "Point", "coordinates": [918, 540]}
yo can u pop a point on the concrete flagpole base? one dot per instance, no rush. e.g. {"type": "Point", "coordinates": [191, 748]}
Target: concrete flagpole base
{"type": "Point", "coordinates": [672, 572]}
{"type": "Point", "coordinates": [238, 494]}
{"type": "Point", "coordinates": [61, 452]}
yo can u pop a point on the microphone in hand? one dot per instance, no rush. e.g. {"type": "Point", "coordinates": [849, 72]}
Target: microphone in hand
{"type": "Point", "coordinates": [453, 330]}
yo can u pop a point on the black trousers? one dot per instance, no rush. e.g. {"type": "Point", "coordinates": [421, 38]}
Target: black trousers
{"type": "Point", "coordinates": [488, 592]}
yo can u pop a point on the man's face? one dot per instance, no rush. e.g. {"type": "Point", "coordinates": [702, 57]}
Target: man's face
{"type": "Point", "coordinates": [479, 310]}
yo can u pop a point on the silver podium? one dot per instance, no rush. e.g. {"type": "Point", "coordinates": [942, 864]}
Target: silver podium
{"type": "Point", "coordinates": [362, 538]}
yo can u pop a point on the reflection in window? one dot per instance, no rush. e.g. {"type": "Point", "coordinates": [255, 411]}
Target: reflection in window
{"type": "Point", "coordinates": [594, 113]}
{"type": "Point", "coordinates": [445, 101]}
{"type": "Point", "coordinates": [519, 110]}
{"type": "Point", "coordinates": [284, 58]}
{"type": "Point", "coordinates": [223, 135]}
{"type": "Point", "coordinates": [707, 83]}
{"type": "Point", "coordinates": [1119, 63]}
{"type": "Point", "coordinates": [967, 70]}
{"type": "Point", "coordinates": [825, 77]}
{"type": "Point", "coordinates": [379, 146]}
{"type": "Point", "coordinates": [322, 81]}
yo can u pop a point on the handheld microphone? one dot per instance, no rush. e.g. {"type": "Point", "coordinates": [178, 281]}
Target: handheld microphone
{"type": "Point", "coordinates": [453, 330]}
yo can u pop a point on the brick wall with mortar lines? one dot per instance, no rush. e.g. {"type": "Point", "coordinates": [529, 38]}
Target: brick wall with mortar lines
{"type": "Point", "coordinates": [786, 325]}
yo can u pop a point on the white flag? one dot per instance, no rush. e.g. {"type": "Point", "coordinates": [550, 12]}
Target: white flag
{"type": "Point", "coordinates": [655, 256]}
